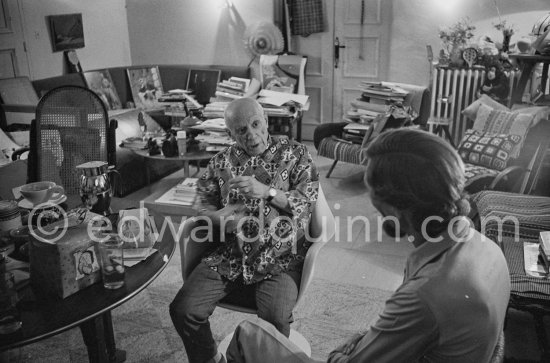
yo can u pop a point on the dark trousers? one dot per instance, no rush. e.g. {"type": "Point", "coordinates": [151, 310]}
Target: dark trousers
{"type": "Point", "coordinates": [195, 302]}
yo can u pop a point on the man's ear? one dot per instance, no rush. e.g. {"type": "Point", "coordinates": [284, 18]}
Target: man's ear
{"type": "Point", "coordinates": [229, 132]}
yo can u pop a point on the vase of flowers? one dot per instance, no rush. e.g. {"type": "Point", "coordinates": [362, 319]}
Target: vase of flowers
{"type": "Point", "coordinates": [455, 38]}
{"type": "Point", "coordinates": [507, 32]}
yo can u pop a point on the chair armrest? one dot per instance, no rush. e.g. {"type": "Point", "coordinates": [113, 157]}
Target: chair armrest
{"type": "Point", "coordinates": [192, 251]}
{"type": "Point", "coordinates": [309, 267]}
{"type": "Point", "coordinates": [17, 153]}
{"type": "Point", "coordinates": [18, 108]}
{"type": "Point", "coordinates": [504, 174]}
{"type": "Point", "coordinates": [327, 130]}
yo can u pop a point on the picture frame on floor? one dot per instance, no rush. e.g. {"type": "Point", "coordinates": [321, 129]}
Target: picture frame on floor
{"type": "Point", "coordinates": [146, 86]}
{"type": "Point", "coordinates": [102, 84]}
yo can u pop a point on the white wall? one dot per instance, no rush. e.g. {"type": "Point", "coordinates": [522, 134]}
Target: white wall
{"type": "Point", "coordinates": [105, 34]}
{"type": "Point", "coordinates": [202, 32]}
{"type": "Point", "coordinates": [416, 23]}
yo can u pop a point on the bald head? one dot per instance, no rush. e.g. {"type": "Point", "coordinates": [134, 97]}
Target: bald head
{"type": "Point", "coordinates": [242, 108]}
{"type": "Point", "coordinates": [245, 119]}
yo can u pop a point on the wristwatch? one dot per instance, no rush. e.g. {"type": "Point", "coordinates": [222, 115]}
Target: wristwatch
{"type": "Point", "coordinates": [271, 193]}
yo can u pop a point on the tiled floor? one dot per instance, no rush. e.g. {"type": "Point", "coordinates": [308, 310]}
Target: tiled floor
{"type": "Point", "coordinates": [362, 258]}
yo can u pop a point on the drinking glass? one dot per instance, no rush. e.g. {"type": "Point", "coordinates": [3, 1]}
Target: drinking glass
{"type": "Point", "coordinates": [112, 261]}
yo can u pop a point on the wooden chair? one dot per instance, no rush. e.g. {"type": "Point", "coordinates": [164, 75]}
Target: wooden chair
{"type": "Point", "coordinates": [321, 228]}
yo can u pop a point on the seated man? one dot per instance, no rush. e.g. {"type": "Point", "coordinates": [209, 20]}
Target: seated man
{"type": "Point", "coordinates": [266, 187]}
{"type": "Point", "coordinates": [452, 303]}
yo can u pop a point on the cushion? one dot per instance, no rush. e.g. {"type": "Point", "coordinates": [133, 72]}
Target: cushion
{"type": "Point", "coordinates": [471, 111]}
{"type": "Point", "coordinates": [488, 150]}
{"type": "Point", "coordinates": [334, 148]}
{"type": "Point", "coordinates": [538, 112]}
{"type": "Point", "coordinates": [492, 121]}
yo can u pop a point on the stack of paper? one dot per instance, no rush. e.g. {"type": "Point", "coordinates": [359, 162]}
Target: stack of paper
{"type": "Point", "coordinates": [183, 193]}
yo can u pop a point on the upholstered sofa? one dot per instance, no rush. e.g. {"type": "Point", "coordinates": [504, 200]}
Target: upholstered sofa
{"type": "Point", "coordinates": [131, 166]}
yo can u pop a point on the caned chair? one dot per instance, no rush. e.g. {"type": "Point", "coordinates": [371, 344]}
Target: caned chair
{"type": "Point", "coordinates": [71, 127]}
{"type": "Point", "coordinates": [321, 230]}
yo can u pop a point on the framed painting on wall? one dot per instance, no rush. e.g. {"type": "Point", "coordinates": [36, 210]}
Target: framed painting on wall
{"type": "Point", "coordinates": [101, 83]}
{"type": "Point", "coordinates": [66, 31]}
{"type": "Point", "coordinates": [146, 86]}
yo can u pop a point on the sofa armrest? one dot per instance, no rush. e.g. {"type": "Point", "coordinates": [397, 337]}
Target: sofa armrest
{"type": "Point", "coordinates": [327, 130]}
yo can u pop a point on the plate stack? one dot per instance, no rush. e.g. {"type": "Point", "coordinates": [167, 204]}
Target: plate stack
{"type": "Point", "coordinates": [10, 217]}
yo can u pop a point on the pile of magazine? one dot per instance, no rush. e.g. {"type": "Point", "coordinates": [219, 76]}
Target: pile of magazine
{"type": "Point", "coordinates": [184, 193]}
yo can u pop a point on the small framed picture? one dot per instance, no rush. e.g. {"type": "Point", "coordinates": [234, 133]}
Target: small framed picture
{"type": "Point", "coordinates": [101, 83]}
{"type": "Point", "coordinates": [202, 83]}
{"type": "Point", "coordinates": [66, 31]}
{"type": "Point", "coordinates": [146, 86]}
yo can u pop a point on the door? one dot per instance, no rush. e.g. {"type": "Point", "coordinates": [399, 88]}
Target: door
{"type": "Point", "coordinates": [362, 44]}
{"type": "Point", "coordinates": [363, 28]}
{"type": "Point", "coordinates": [13, 56]}
{"type": "Point", "coordinates": [319, 72]}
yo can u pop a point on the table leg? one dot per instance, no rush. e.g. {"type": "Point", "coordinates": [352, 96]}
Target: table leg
{"type": "Point", "coordinates": [147, 172]}
{"type": "Point", "coordinates": [517, 94]}
{"type": "Point", "coordinates": [98, 336]}
{"type": "Point", "coordinates": [186, 168]}
{"type": "Point", "coordinates": [544, 77]}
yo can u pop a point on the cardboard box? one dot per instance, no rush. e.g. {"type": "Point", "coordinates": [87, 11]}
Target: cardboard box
{"type": "Point", "coordinates": [65, 265]}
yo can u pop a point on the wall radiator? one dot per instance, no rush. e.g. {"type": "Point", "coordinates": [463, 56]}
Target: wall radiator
{"type": "Point", "coordinates": [452, 91]}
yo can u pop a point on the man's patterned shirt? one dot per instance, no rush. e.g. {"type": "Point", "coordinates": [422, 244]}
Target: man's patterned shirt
{"type": "Point", "coordinates": [270, 241]}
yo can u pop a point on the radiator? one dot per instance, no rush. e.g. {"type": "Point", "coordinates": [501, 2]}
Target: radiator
{"type": "Point", "coordinates": [452, 91]}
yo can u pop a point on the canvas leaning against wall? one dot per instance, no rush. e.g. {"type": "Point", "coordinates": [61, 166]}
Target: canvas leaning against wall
{"type": "Point", "coordinates": [101, 83]}
{"type": "Point", "coordinates": [146, 86]}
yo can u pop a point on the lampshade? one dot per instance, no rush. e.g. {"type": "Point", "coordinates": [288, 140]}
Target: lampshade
{"type": "Point", "coordinates": [541, 25]}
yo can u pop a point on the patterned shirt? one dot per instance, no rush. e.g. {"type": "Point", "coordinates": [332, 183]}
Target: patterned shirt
{"type": "Point", "coordinates": [270, 240]}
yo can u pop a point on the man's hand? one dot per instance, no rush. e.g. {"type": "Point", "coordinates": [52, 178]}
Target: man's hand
{"type": "Point", "coordinates": [487, 88]}
{"type": "Point", "coordinates": [346, 349]}
{"type": "Point", "coordinates": [249, 187]}
{"type": "Point", "coordinates": [230, 215]}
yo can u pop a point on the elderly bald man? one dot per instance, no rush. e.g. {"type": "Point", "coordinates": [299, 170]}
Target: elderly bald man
{"type": "Point", "coordinates": [266, 186]}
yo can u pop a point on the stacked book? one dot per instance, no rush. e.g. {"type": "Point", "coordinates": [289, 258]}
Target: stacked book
{"type": "Point", "coordinates": [233, 88]}
{"type": "Point", "coordinates": [136, 143]}
{"type": "Point", "coordinates": [355, 132]}
{"type": "Point", "coordinates": [179, 102]}
{"type": "Point", "coordinates": [544, 249]}
{"type": "Point", "coordinates": [184, 193]}
{"type": "Point", "coordinates": [215, 109]}
{"type": "Point", "coordinates": [376, 98]}
{"type": "Point", "coordinates": [214, 134]}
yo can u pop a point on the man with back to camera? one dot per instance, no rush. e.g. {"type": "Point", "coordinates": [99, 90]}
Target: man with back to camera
{"type": "Point", "coordinates": [265, 174]}
{"type": "Point", "coordinates": [452, 302]}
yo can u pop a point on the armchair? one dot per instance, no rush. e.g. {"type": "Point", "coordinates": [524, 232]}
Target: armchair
{"type": "Point", "coordinates": [321, 230]}
{"type": "Point", "coordinates": [522, 174]}
{"type": "Point", "coordinates": [327, 137]}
